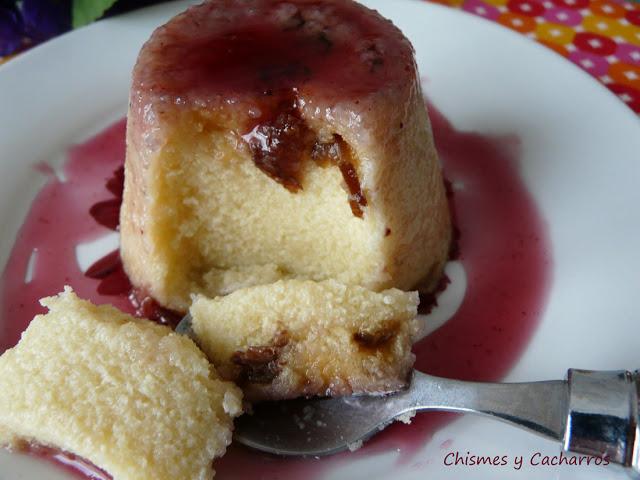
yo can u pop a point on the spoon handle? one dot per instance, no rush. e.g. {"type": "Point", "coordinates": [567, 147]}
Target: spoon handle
{"type": "Point", "coordinates": [593, 413]}
{"type": "Point", "coordinates": [536, 406]}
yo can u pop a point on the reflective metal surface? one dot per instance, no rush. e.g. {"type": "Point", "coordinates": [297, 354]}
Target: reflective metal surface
{"type": "Point", "coordinates": [602, 418]}
{"type": "Point", "coordinates": [319, 427]}
{"type": "Point", "coordinates": [592, 413]}
{"type": "Point", "coordinates": [184, 327]}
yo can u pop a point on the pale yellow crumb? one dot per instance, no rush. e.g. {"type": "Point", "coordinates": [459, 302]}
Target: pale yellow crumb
{"type": "Point", "coordinates": [300, 338]}
{"type": "Point", "coordinates": [406, 417]}
{"type": "Point", "coordinates": [130, 396]}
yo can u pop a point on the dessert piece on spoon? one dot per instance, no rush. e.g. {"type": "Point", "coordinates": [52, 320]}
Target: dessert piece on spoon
{"type": "Point", "coordinates": [302, 338]}
{"type": "Point", "coordinates": [132, 397]}
{"type": "Point", "coordinates": [272, 139]}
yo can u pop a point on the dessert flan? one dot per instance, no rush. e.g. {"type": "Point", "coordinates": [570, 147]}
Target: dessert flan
{"type": "Point", "coordinates": [298, 338]}
{"type": "Point", "coordinates": [135, 399]}
{"type": "Point", "coordinates": [275, 139]}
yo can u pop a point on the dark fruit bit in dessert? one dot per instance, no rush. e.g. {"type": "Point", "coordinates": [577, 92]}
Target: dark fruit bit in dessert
{"type": "Point", "coordinates": [260, 364]}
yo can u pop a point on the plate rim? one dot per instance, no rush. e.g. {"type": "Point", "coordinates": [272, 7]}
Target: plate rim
{"type": "Point", "coordinates": [35, 54]}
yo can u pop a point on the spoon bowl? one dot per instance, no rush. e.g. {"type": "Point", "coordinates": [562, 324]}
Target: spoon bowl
{"type": "Point", "coordinates": [320, 426]}
{"type": "Point", "coordinates": [325, 426]}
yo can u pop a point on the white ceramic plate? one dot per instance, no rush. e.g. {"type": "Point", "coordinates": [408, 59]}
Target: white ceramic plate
{"type": "Point", "coordinates": [581, 162]}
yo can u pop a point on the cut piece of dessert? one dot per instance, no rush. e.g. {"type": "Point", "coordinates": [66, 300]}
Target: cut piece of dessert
{"type": "Point", "coordinates": [277, 139]}
{"type": "Point", "coordinates": [302, 338]}
{"type": "Point", "coordinates": [132, 397]}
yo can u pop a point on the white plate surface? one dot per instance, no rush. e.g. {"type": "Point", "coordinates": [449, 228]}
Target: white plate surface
{"type": "Point", "coordinates": [581, 162]}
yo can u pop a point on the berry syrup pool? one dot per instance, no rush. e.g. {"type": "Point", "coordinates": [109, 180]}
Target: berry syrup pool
{"type": "Point", "coordinates": [502, 245]}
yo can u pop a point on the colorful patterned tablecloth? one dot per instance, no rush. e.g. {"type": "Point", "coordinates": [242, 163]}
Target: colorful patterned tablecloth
{"type": "Point", "coordinates": [600, 36]}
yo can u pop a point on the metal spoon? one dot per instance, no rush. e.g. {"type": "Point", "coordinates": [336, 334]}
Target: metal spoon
{"type": "Point", "coordinates": [593, 413]}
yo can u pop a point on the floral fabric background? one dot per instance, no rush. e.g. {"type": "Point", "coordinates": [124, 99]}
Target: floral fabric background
{"type": "Point", "coordinates": [600, 36]}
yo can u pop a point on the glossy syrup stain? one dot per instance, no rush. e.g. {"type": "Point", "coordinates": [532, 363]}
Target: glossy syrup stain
{"type": "Point", "coordinates": [57, 222]}
{"type": "Point", "coordinates": [503, 246]}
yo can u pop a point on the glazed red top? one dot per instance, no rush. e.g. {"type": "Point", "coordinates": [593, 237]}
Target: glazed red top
{"type": "Point", "coordinates": [253, 65]}
{"type": "Point", "coordinates": [224, 51]}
